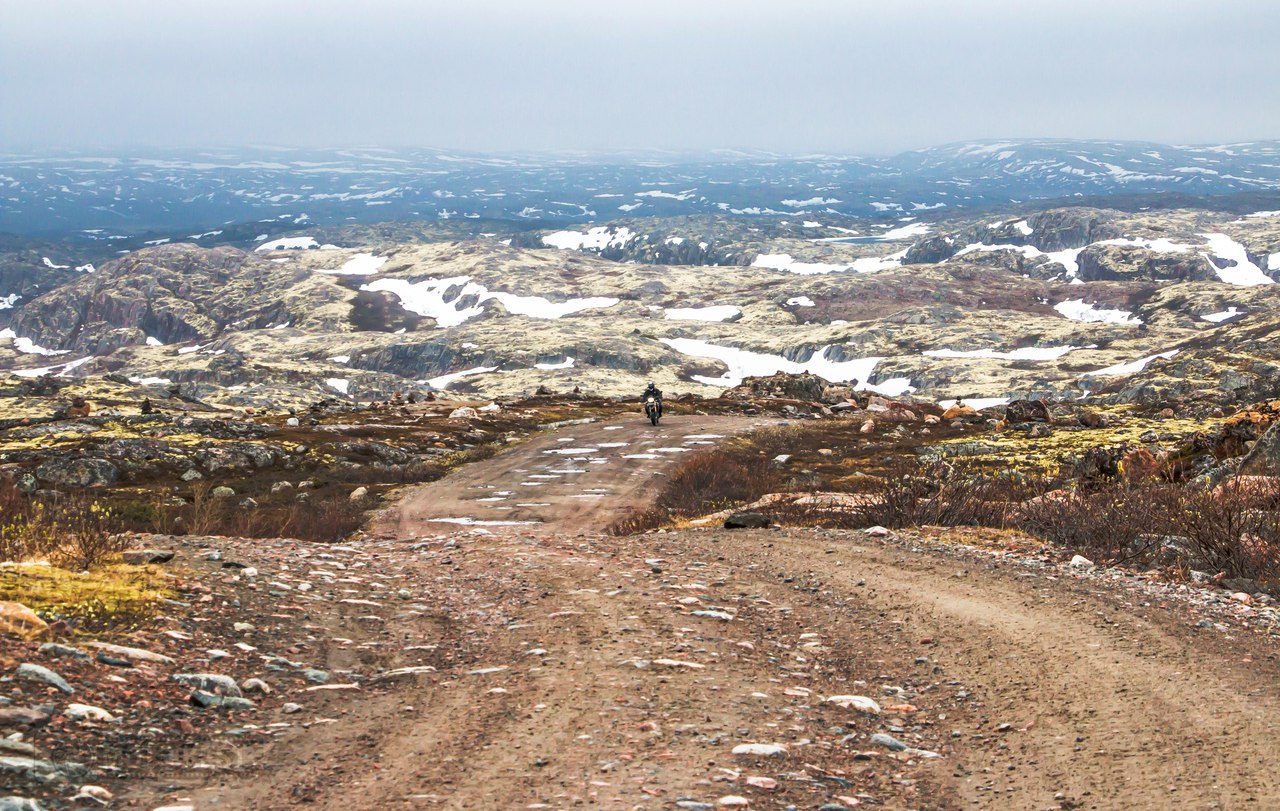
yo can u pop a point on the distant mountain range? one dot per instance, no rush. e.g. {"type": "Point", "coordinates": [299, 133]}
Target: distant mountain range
{"type": "Point", "coordinates": [106, 195]}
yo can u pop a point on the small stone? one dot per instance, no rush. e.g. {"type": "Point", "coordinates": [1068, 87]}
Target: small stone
{"type": "Point", "coordinates": [94, 794]}
{"type": "Point", "coordinates": [733, 801]}
{"type": "Point", "coordinates": [210, 701]}
{"type": "Point", "coordinates": [212, 682]}
{"type": "Point", "coordinates": [256, 686]}
{"type": "Point", "coordinates": [44, 675]}
{"type": "Point", "coordinates": [192, 475]}
{"type": "Point", "coordinates": [760, 749]}
{"type": "Point", "coordinates": [62, 651]}
{"type": "Point", "coordinates": [316, 676]}
{"type": "Point", "coordinates": [87, 712]}
{"type": "Point", "coordinates": [888, 742]}
{"type": "Point", "coordinates": [359, 494]}
{"type": "Point", "coordinates": [222, 491]}
{"type": "Point", "coordinates": [1080, 562]}
{"type": "Point", "coordinates": [141, 557]}
{"type": "Point", "coordinates": [290, 708]}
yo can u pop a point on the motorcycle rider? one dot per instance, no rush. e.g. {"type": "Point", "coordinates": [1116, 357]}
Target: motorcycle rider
{"type": "Point", "coordinates": [654, 392]}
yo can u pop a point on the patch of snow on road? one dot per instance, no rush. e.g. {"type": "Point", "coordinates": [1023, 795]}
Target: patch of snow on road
{"type": "Point", "coordinates": [1078, 310]}
{"type": "Point", "coordinates": [1245, 273]}
{"type": "Point", "coordinates": [362, 264]}
{"type": "Point", "coordinates": [1132, 367]}
{"type": "Point", "coordinates": [719, 312]}
{"type": "Point", "coordinates": [1218, 318]}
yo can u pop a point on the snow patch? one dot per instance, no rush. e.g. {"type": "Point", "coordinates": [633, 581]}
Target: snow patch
{"type": "Point", "coordinates": [1218, 318]}
{"type": "Point", "coordinates": [596, 239]}
{"type": "Point", "coordinates": [338, 384]}
{"type": "Point", "coordinates": [744, 363]}
{"type": "Point", "coordinates": [1078, 310]}
{"type": "Point", "coordinates": [567, 363]}
{"type": "Point", "coordinates": [1245, 273]}
{"type": "Point", "coordinates": [1132, 367]}
{"type": "Point", "coordinates": [362, 264]}
{"type": "Point", "coordinates": [444, 381]}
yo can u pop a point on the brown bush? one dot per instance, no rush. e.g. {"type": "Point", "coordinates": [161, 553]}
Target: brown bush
{"type": "Point", "coordinates": [74, 531]}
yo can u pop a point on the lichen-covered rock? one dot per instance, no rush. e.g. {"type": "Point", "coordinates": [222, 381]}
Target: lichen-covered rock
{"type": "Point", "coordinates": [74, 472]}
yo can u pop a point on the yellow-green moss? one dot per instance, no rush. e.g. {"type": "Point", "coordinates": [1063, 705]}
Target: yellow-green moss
{"type": "Point", "coordinates": [118, 596]}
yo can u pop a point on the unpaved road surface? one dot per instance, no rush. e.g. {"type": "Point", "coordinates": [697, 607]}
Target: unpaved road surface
{"type": "Point", "coordinates": [580, 477]}
{"type": "Point", "coordinates": [560, 668]}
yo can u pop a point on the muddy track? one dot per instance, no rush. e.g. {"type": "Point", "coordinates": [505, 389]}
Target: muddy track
{"type": "Point", "coordinates": [585, 671]}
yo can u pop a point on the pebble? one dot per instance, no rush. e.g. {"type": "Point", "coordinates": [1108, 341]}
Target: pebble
{"type": "Point", "coordinates": [760, 749]}
{"type": "Point", "coordinates": [44, 675]}
{"type": "Point", "coordinates": [256, 686]}
{"type": "Point", "coordinates": [211, 701]}
{"type": "Point", "coordinates": [87, 712]}
{"type": "Point", "coordinates": [316, 676]}
{"type": "Point", "coordinates": [212, 682]}
{"type": "Point", "coordinates": [22, 804]}
{"type": "Point", "coordinates": [888, 742]}
{"type": "Point", "coordinates": [62, 651]}
{"type": "Point", "coordinates": [289, 708]}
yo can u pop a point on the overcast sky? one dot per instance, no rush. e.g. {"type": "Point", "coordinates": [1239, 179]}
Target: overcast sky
{"type": "Point", "coordinates": [795, 76]}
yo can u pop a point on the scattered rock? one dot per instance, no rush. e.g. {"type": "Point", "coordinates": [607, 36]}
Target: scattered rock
{"type": "Point", "coordinates": [87, 712]}
{"type": "Point", "coordinates": [222, 491]}
{"type": "Point", "coordinates": [141, 557]}
{"type": "Point", "coordinates": [760, 749]}
{"type": "Point", "coordinates": [212, 682]}
{"type": "Point", "coordinates": [746, 520]}
{"type": "Point", "coordinates": [211, 701]}
{"type": "Point", "coordinates": [888, 742]}
{"type": "Point", "coordinates": [44, 675]}
{"type": "Point", "coordinates": [132, 654]}
{"type": "Point", "coordinates": [359, 494]}
{"type": "Point", "coordinates": [1080, 561]}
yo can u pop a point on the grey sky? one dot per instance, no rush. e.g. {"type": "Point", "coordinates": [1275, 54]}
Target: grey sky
{"type": "Point", "coordinates": [803, 75]}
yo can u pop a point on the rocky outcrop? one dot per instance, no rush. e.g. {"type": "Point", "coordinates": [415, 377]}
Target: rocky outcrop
{"type": "Point", "coordinates": [73, 472]}
{"type": "Point", "coordinates": [806, 387]}
{"type": "Point", "coordinates": [173, 294]}
{"type": "Point", "coordinates": [1133, 263]}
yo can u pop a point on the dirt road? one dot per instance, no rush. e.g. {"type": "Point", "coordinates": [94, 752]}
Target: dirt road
{"type": "Point", "coordinates": [559, 668]}
{"type": "Point", "coordinates": [580, 477]}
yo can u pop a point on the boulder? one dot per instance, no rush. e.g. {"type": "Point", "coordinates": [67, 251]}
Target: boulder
{"type": "Point", "coordinates": [806, 387]}
{"type": "Point", "coordinates": [1027, 411]}
{"type": "Point", "coordinates": [18, 620]}
{"type": "Point", "coordinates": [746, 520]}
{"type": "Point", "coordinates": [1264, 458]}
{"type": "Point", "coordinates": [72, 472]}
{"type": "Point", "coordinates": [141, 557]}
{"type": "Point", "coordinates": [464, 413]}
{"type": "Point", "coordinates": [959, 411]}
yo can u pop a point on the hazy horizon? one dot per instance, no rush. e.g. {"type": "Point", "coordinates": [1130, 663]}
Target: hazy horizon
{"type": "Point", "coordinates": [565, 76]}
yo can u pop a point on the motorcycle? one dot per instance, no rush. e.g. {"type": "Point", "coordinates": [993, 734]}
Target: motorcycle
{"type": "Point", "coordinates": [653, 409]}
